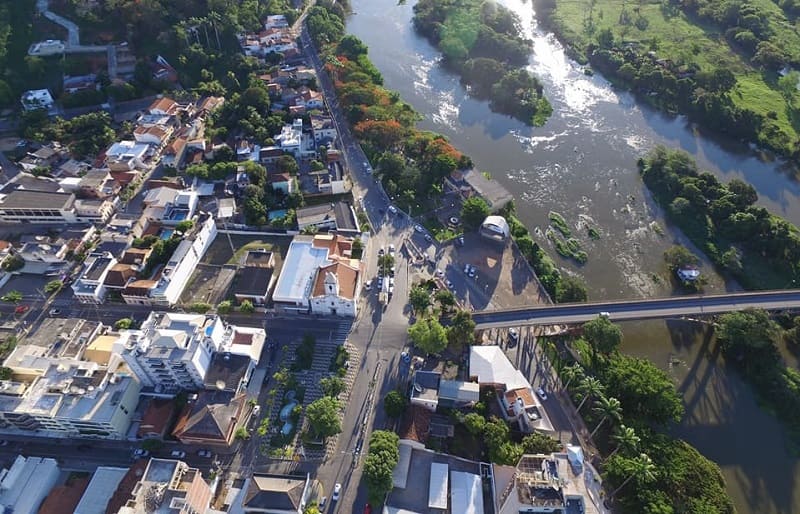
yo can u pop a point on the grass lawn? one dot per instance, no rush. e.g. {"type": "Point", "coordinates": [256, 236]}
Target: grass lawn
{"type": "Point", "coordinates": [682, 39]}
{"type": "Point", "coordinates": [220, 251]}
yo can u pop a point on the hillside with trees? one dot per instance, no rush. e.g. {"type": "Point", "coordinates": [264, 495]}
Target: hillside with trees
{"type": "Point", "coordinates": [481, 41]}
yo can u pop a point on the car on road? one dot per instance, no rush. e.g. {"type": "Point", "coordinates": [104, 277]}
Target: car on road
{"type": "Point", "coordinates": [321, 503]}
{"type": "Point", "coordinates": [367, 285]}
{"type": "Point", "coordinates": [460, 241]}
{"type": "Point", "coordinates": [140, 453]}
{"type": "Point", "coordinates": [605, 314]}
{"type": "Point", "coordinates": [177, 454]}
{"type": "Point", "coordinates": [439, 273]}
{"type": "Point", "coordinates": [21, 309]}
{"type": "Point", "coordinates": [380, 282]}
{"type": "Point", "coordinates": [419, 228]}
{"type": "Point", "coordinates": [204, 453]}
{"type": "Point", "coordinates": [449, 284]}
{"type": "Point", "coordinates": [542, 394]}
{"type": "Point", "coordinates": [337, 490]}
{"type": "Point", "coordinates": [467, 267]}
{"type": "Point", "coordinates": [391, 249]}
{"type": "Point", "coordinates": [513, 334]}
{"type": "Point", "coordinates": [428, 238]}
{"type": "Point", "coordinates": [393, 209]}
{"type": "Point", "coordinates": [368, 509]}
{"type": "Point", "coordinates": [381, 252]}
{"type": "Point", "coordinates": [55, 312]}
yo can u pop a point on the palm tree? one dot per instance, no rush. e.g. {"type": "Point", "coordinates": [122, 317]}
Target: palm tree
{"type": "Point", "coordinates": [608, 408]}
{"type": "Point", "coordinates": [626, 439]}
{"type": "Point", "coordinates": [570, 373]}
{"type": "Point", "coordinates": [641, 467]}
{"type": "Point", "coordinates": [589, 387]}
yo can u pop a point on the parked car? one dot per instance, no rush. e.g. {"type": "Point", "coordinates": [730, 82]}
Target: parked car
{"type": "Point", "coordinates": [419, 228]}
{"type": "Point", "coordinates": [321, 503]}
{"type": "Point", "coordinates": [367, 509]}
{"type": "Point", "coordinates": [472, 271]}
{"type": "Point", "coordinates": [337, 490]}
{"type": "Point", "coordinates": [392, 209]}
{"type": "Point", "coordinates": [454, 220]}
{"type": "Point", "coordinates": [204, 453]}
{"type": "Point", "coordinates": [448, 284]}
{"type": "Point", "coordinates": [466, 269]}
{"type": "Point", "coordinates": [177, 454]}
{"type": "Point", "coordinates": [21, 309]}
{"type": "Point", "coordinates": [542, 394]}
{"type": "Point", "coordinates": [368, 285]}
{"type": "Point", "coordinates": [513, 334]}
{"type": "Point", "coordinates": [381, 251]}
{"type": "Point", "coordinates": [461, 241]}
{"type": "Point", "coordinates": [140, 453]}
{"type": "Point", "coordinates": [4, 442]}
{"type": "Point", "coordinates": [428, 238]}
{"type": "Point", "coordinates": [55, 312]}
{"type": "Point", "coordinates": [439, 273]}
{"type": "Point", "coordinates": [391, 249]}
{"type": "Point", "coordinates": [605, 314]}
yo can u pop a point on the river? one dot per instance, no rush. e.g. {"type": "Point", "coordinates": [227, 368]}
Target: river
{"type": "Point", "coordinates": [582, 165]}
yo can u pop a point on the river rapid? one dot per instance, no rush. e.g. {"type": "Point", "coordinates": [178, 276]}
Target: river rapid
{"type": "Point", "coordinates": [582, 164]}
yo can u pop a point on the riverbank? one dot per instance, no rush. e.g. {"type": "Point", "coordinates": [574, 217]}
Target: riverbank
{"type": "Point", "coordinates": [481, 42]}
{"type": "Point", "coordinates": [674, 62]}
{"type": "Point", "coordinates": [756, 247]}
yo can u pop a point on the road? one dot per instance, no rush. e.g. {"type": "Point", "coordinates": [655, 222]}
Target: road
{"type": "Point", "coordinates": [677, 306]}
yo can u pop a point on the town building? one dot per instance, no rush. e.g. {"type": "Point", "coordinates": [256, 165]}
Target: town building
{"type": "Point", "coordinates": [290, 140]}
{"type": "Point", "coordinates": [37, 99]}
{"type": "Point", "coordinates": [44, 258]}
{"type": "Point", "coordinates": [127, 156]}
{"type": "Point", "coordinates": [323, 128]}
{"type": "Point", "coordinates": [25, 485]}
{"type": "Point", "coordinates": [273, 494]}
{"type": "Point", "coordinates": [26, 206]}
{"type": "Point", "coordinates": [320, 276]}
{"type": "Point", "coordinates": [338, 216]}
{"type": "Point", "coordinates": [255, 280]}
{"type": "Point", "coordinates": [211, 418]}
{"type": "Point", "coordinates": [495, 228]}
{"type": "Point", "coordinates": [90, 285]}
{"type": "Point", "coordinates": [169, 487]}
{"type": "Point", "coordinates": [469, 183]}
{"type": "Point", "coordinates": [430, 391]}
{"type": "Point", "coordinates": [102, 485]}
{"type": "Point", "coordinates": [170, 206]}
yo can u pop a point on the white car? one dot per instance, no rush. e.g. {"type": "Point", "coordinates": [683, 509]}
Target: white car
{"type": "Point", "coordinates": [472, 272]}
{"type": "Point", "coordinates": [177, 454]}
{"type": "Point", "coordinates": [448, 284]}
{"type": "Point", "coordinates": [367, 285]}
{"type": "Point", "coordinates": [140, 453]}
{"type": "Point", "coordinates": [393, 209]}
{"type": "Point", "coordinates": [513, 334]}
{"type": "Point", "coordinates": [466, 269]}
{"type": "Point", "coordinates": [337, 490]}
{"type": "Point", "coordinates": [541, 393]}
{"type": "Point", "coordinates": [391, 281]}
{"type": "Point", "coordinates": [419, 228]}
{"type": "Point", "coordinates": [439, 273]}
{"type": "Point", "coordinates": [204, 453]}
{"type": "Point", "coordinates": [391, 249]}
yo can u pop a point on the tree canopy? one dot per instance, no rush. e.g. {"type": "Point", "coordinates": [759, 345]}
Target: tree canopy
{"type": "Point", "coordinates": [428, 335]}
{"type": "Point", "coordinates": [473, 211]}
{"type": "Point", "coordinates": [382, 457]}
{"type": "Point", "coordinates": [394, 404]}
{"type": "Point", "coordinates": [323, 416]}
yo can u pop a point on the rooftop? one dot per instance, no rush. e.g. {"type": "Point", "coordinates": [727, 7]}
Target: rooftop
{"type": "Point", "coordinates": [299, 267]}
{"type": "Point", "coordinates": [278, 492]}
{"type": "Point", "coordinates": [491, 366]}
{"type": "Point", "coordinates": [100, 489]}
{"type": "Point", "coordinates": [37, 200]}
{"type": "Point", "coordinates": [346, 276]}
{"type": "Point", "coordinates": [253, 281]}
{"type": "Point", "coordinates": [226, 371]}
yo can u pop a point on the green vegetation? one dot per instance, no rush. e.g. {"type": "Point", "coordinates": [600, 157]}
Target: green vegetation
{"type": "Point", "coordinates": [339, 361]}
{"type": "Point", "coordinates": [224, 307]}
{"type": "Point", "coordinates": [749, 342]}
{"type": "Point", "coordinates": [419, 298]}
{"type": "Point", "coordinates": [473, 211]}
{"type": "Point", "coordinates": [7, 346]}
{"type": "Point", "coordinates": [759, 249]}
{"type": "Point", "coordinates": [199, 307]}
{"type": "Point", "coordinates": [85, 135]}
{"type": "Point", "coordinates": [714, 60]}
{"type": "Point", "coordinates": [481, 41]}
{"type": "Point", "coordinates": [382, 457]}
{"type": "Point", "coordinates": [461, 330]}
{"type": "Point", "coordinates": [246, 307]}
{"type": "Point", "coordinates": [12, 296]}
{"type": "Point", "coordinates": [13, 263]}
{"type": "Point", "coordinates": [428, 335]}
{"type": "Point", "coordinates": [305, 353]}
{"type": "Point", "coordinates": [332, 386]}
{"type": "Point", "coordinates": [559, 223]}
{"type": "Point", "coordinates": [323, 417]}
{"type": "Point", "coordinates": [647, 470]}
{"type": "Point", "coordinates": [395, 403]}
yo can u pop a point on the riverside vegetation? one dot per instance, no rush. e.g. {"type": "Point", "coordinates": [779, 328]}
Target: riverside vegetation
{"type": "Point", "coordinates": [721, 62]}
{"type": "Point", "coordinates": [481, 41]}
{"type": "Point", "coordinates": [628, 404]}
{"type": "Point", "coordinates": [756, 247]}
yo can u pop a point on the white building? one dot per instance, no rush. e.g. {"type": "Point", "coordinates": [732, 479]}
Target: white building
{"type": "Point", "coordinates": [323, 129]}
{"type": "Point", "coordinates": [291, 138]}
{"type": "Point", "coordinates": [90, 288]}
{"type": "Point", "coordinates": [127, 156]}
{"type": "Point", "coordinates": [37, 99]}
{"type": "Point", "coordinates": [169, 486]}
{"type": "Point", "coordinates": [47, 47]}
{"type": "Point", "coordinates": [101, 488]}
{"type": "Point", "coordinates": [95, 210]}
{"type": "Point", "coordinates": [173, 352]}
{"type": "Point", "coordinates": [276, 21]}
{"type": "Point", "coordinates": [28, 206]}
{"type": "Point", "coordinates": [166, 290]}
{"type": "Point", "coordinates": [319, 275]}
{"type": "Point", "coordinates": [25, 485]}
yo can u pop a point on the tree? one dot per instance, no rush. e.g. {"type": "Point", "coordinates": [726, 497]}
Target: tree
{"type": "Point", "coordinates": [603, 335]}
{"type": "Point", "coordinates": [571, 373]}
{"type": "Point", "coordinates": [461, 329]}
{"type": "Point", "coordinates": [13, 263]}
{"type": "Point", "coordinates": [6, 373]}
{"type": "Point", "coordinates": [589, 387]}
{"type": "Point", "coordinates": [473, 212]}
{"type": "Point", "coordinates": [123, 324]}
{"type": "Point", "coordinates": [53, 286]}
{"type": "Point", "coordinates": [641, 468]}
{"type": "Point", "coordinates": [351, 47]}
{"type": "Point", "coordinates": [224, 307]}
{"type": "Point", "coordinates": [571, 289]}
{"type": "Point", "coordinates": [184, 226]}
{"type": "Point", "coordinates": [751, 329]}
{"type": "Point", "coordinates": [12, 296]}
{"type": "Point", "coordinates": [645, 391]}
{"type": "Point", "coordinates": [323, 417]}
{"type": "Point", "coordinates": [428, 335]}
{"type": "Point", "coordinates": [445, 298]}
{"type": "Point", "coordinates": [625, 438]}
{"type": "Point", "coordinates": [385, 262]}
{"type": "Point", "coordinates": [241, 434]}
{"type": "Point", "coordinates": [678, 256]}
{"type": "Point", "coordinates": [609, 408]}
{"type": "Point", "coordinates": [474, 423]}
{"type": "Point", "coordinates": [496, 435]}
{"type": "Point", "coordinates": [332, 386]}
{"type": "Point", "coordinates": [382, 457]}
{"type": "Point", "coordinates": [420, 299]}
{"type": "Point", "coordinates": [539, 443]}
{"type": "Point", "coordinates": [246, 307]}
{"type": "Point", "coordinates": [394, 404]}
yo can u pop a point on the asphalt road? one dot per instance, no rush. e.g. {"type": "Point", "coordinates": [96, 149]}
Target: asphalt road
{"type": "Point", "coordinates": [677, 306]}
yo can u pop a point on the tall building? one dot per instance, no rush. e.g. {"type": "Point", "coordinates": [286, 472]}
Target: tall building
{"type": "Point", "coordinates": [167, 487]}
{"type": "Point", "coordinates": [25, 485]}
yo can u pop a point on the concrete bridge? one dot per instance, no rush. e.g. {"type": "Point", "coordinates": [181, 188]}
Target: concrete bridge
{"type": "Point", "coordinates": [620, 310]}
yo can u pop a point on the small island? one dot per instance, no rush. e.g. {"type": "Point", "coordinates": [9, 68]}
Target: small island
{"type": "Point", "coordinates": [481, 41]}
